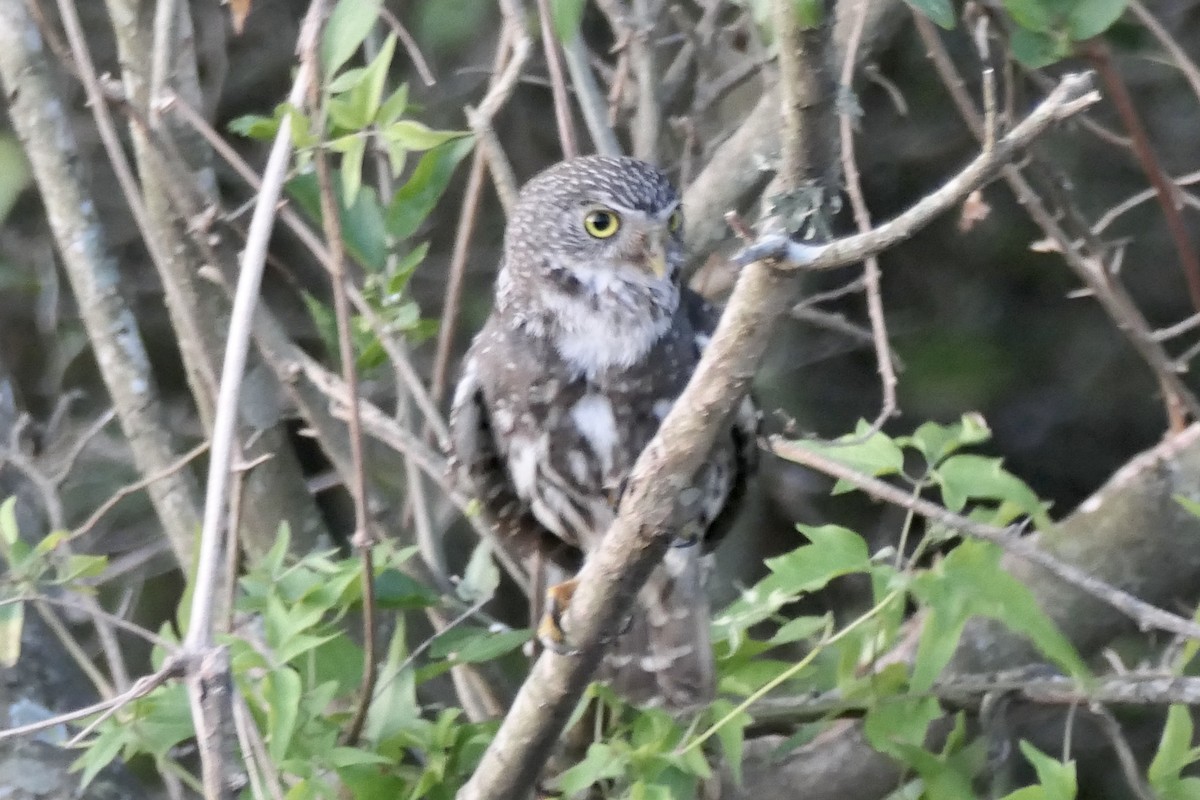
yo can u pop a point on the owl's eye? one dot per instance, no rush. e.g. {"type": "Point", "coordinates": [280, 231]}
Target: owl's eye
{"type": "Point", "coordinates": [675, 221]}
{"type": "Point", "coordinates": [602, 223]}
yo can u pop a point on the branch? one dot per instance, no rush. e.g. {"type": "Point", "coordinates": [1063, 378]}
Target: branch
{"type": "Point", "coordinates": [208, 712]}
{"type": "Point", "coordinates": [1147, 616]}
{"type": "Point", "coordinates": [613, 573]}
{"type": "Point", "coordinates": [42, 124]}
{"type": "Point", "coordinates": [967, 692]}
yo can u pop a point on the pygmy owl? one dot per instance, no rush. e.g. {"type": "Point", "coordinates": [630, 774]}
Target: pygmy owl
{"type": "Point", "coordinates": [590, 341]}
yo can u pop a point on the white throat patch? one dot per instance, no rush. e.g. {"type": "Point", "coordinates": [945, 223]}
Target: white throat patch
{"type": "Point", "coordinates": [613, 321]}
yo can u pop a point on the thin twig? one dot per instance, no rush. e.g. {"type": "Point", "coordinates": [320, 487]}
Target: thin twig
{"type": "Point", "coordinates": [647, 118]}
{"type": "Point", "coordinates": [591, 102]}
{"type": "Point", "coordinates": [363, 539]}
{"type": "Point", "coordinates": [207, 692]}
{"type": "Point", "coordinates": [454, 282]}
{"type": "Point", "coordinates": [1101, 58]}
{"type": "Point", "coordinates": [1109, 217]}
{"type": "Point", "coordinates": [1088, 267]}
{"type": "Point", "coordinates": [143, 686]}
{"type": "Point", "coordinates": [136, 486]}
{"type": "Point", "coordinates": [410, 45]}
{"type": "Point", "coordinates": [165, 14]}
{"type": "Point", "coordinates": [1182, 60]}
{"type": "Point", "coordinates": [558, 84]}
{"type": "Point", "coordinates": [862, 218]}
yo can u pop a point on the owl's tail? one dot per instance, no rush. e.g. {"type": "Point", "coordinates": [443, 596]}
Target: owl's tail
{"type": "Point", "coordinates": [664, 657]}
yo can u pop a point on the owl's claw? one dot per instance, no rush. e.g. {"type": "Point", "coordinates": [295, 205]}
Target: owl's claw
{"type": "Point", "coordinates": [688, 537]}
{"type": "Point", "coordinates": [550, 630]}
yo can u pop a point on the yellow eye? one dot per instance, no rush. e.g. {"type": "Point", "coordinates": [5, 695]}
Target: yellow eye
{"type": "Point", "coordinates": [675, 222]}
{"type": "Point", "coordinates": [602, 223]}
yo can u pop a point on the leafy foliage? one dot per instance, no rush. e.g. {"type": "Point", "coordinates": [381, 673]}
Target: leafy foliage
{"type": "Point", "coordinates": [365, 125]}
{"type": "Point", "coordinates": [298, 670]}
{"type": "Point", "coordinates": [1044, 31]}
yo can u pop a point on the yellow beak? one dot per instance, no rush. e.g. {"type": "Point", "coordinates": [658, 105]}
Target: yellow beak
{"type": "Point", "coordinates": [656, 256]}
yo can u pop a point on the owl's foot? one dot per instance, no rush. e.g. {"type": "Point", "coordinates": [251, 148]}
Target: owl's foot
{"type": "Point", "coordinates": [550, 630]}
{"type": "Point", "coordinates": [688, 536]}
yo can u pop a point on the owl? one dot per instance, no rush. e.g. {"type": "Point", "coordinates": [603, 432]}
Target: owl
{"type": "Point", "coordinates": [590, 341]}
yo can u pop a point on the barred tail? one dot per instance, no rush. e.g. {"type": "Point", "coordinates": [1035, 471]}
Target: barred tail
{"type": "Point", "coordinates": [664, 658]}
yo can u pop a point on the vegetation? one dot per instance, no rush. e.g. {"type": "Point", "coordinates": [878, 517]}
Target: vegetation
{"type": "Point", "coordinates": [272, 584]}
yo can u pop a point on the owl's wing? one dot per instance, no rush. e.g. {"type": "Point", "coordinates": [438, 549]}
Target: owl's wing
{"type": "Point", "coordinates": [744, 427]}
{"type": "Point", "coordinates": [478, 462]}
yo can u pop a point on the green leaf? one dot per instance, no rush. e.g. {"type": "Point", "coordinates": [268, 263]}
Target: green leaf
{"type": "Point", "coordinates": [900, 721]}
{"type": "Point", "coordinates": [1174, 752]}
{"type": "Point", "coordinates": [970, 477]}
{"type": "Point", "coordinates": [415, 199]}
{"type": "Point", "coordinates": [362, 223]}
{"type": "Point", "coordinates": [1037, 49]}
{"type": "Point", "coordinates": [101, 751]}
{"type": "Point", "coordinates": [353, 756]}
{"type": "Point", "coordinates": [971, 582]}
{"type": "Point", "coordinates": [468, 644]}
{"type": "Point", "coordinates": [81, 566]}
{"type": "Point", "coordinates": [8, 521]}
{"type": "Point", "coordinates": [413, 135]}
{"type": "Point", "coordinates": [481, 578]}
{"type": "Point", "coordinates": [1089, 18]}
{"type": "Point", "coordinates": [567, 14]}
{"type": "Point", "coordinates": [1056, 779]}
{"type": "Point", "coordinates": [871, 453]}
{"type": "Point", "coordinates": [346, 81]}
{"type": "Point", "coordinates": [1040, 16]}
{"type": "Point", "coordinates": [600, 763]}
{"type": "Point", "coordinates": [14, 173]}
{"type": "Point", "coordinates": [12, 622]}
{"type": "Point", "coordinates": [348, 26]}
{"type": "Point", "coordinates": [393, 107]}
{"type": "Point", "coordinates": [732, 736]}
{"type": "Point", "coordinates": [1189, 505]}
{"type": "Point", "coordinates": [282, 688]}
{"type": "Point", "coordinates": [254, 126]}
{"type": "Point", "coordinates": [369, 93]}
{"type": "Point", "coordinates": [935, 441]}
{"type": "Point", "coordinates": [799, 629]}
{"type": "Point", "coordinates": [351, 170]}
{"type": "Point", "coordinates": [941, 12]}
{"type": "Point", "coordinates": [835, 551]}
{"type": "Point", "coordinates": [395, 590]}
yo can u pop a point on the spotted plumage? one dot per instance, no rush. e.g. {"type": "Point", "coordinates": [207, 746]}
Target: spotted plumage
{"type": "Point", "coordinates": [589, 343]}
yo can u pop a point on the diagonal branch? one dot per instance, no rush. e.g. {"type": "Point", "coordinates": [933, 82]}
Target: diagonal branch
{"type": "Point", "coordinates": [631, 547]}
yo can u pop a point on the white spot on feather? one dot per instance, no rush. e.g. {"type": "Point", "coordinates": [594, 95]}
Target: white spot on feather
{"type": "Point", "coordinates": [593, 418]}
{"type": "Point", "coordinates": [523, 462]}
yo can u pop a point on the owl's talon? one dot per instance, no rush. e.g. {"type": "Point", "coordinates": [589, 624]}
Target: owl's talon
{"type": "Point", "coordinates": [687, 539]}
{"type": "Point", "coordinates": [550, 630]}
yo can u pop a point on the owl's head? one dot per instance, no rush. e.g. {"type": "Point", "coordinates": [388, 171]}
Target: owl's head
{"type": "Point", "coordinates": [597, 220]}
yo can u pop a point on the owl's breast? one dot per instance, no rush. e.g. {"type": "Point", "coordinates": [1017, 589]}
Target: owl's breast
{"type": "Point", "coordinates": [570, 440]}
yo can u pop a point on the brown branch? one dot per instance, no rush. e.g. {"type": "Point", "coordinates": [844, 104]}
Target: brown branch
{"type": "Point", "coordinates": [862, 218]}
{"type": "Point", "coordinates": [631, 547]}
{"type": "Point", "coordinates": [363, 539]}
{"type": "Point", "coordinates": [1100, 56]}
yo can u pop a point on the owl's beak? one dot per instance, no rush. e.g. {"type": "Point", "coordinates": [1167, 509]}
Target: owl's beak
{"type": "Point", "coordinates": [654, 253]}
